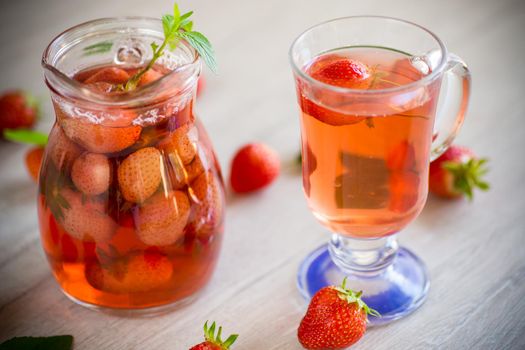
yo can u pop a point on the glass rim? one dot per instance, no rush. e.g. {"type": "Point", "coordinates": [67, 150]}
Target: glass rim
{"type": "Point", "coordinates": [99, 98]}
{"type": "Point", "coordinates": [339, 89]}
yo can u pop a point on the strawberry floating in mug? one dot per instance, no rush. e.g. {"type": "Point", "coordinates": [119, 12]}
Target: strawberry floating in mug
{"type": "Point", "coordinates": [213, 341]}
{"type": "Point", "coordinates": [340, 71]}
{"type": "Point", "coordinates": [336, 318]}
{"type": "Point", "coordinates": [457, 172]}
{"type": "Point", "coordinates": [254, 167]}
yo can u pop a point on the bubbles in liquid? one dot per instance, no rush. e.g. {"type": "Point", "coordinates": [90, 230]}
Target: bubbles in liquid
{"type": "Point", "coordinates": [131, 52]}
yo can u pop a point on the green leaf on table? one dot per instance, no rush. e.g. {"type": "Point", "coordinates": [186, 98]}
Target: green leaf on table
{"type": "Point", "coordinates": [59, 342]}
{"type": "Point", "coordinates": [26, 136]}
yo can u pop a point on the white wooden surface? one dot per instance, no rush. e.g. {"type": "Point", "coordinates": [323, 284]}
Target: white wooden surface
{"type": "Point", "coordinates": [475, 252]}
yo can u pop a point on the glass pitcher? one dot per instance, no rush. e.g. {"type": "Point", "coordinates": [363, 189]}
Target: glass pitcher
{"type": "Point", "coordinates": [131, 198]}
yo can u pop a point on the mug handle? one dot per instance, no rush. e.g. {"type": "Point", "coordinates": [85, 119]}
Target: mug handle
{"type": "Point", "coordinates": [452, 106]}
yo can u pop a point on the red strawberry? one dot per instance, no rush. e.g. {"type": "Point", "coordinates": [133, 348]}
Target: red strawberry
{"type": "Point", "coordinates": [402, 157]}
{"type": "Point", "coordinates": [33, 161]}
{"type": "Point", "coordinates": [208, 194]}
{"type": "Point", "coordinates": [139, 175]}
{"type": "Point", "coordinates": [457, 172]}
{"type": "Point", "coordinates": [182, 175]}
{"type": "Point", "coordinates": [254, 166]}
{"type": "Point", "coordinates": [85, 219]}
{"type": "Point", "coordinates": [137, 273]}
{"type": "Point", "coordinates": [160, 221]}
{"type": "Point", "coordinates": [91, 173]}
{"type": "Point", "coordinates": [62, 150]}
{"type": "Point", "coordinates": [149, 77]}
{"type": "Point", "coordinates": [214, 342]}
{"type": "Point", "coordinates": [336, 318]}
{"type": "Point", "coordinates": [111, 75]}
{"type": "Point", "coordinates": [404, 191]}
{"type": "Point", "coordinates": [112, 136]}
{"type": "Point", "coordinates": [17, 110]}
{"type": "Point", "coordinates": [180, 144]}
{"type": "Point", "coordinates": [340, 71]}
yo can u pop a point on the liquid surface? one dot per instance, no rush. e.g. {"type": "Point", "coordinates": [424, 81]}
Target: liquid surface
{"type": "Point", "coordinates": [365, 161]}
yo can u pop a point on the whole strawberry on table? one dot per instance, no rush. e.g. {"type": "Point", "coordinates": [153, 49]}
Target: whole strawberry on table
{"type": "Point", "coordinates": [17, 110]}
{"type": "Point", "coordinates": [457, 172]}
{"type": "Point", "coordinates": [336, 318]}
{"type": "Point", "coordinates": [213, 341]}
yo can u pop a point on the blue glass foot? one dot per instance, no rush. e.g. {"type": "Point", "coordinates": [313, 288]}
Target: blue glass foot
{"type": "Point", "coordinates": [395, 291]}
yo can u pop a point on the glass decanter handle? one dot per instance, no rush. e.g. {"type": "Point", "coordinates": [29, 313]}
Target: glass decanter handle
{"type": "Point", "coordinates": [453, 102]}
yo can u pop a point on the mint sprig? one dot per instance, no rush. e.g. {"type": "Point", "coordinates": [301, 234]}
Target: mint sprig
{"type": "Point", "coordinates": [176, 27]}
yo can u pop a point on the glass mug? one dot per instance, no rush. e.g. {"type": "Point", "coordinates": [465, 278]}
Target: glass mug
{"type": "Point", "coordinates": [131, 200]}
{"type": "Point", "coordinates": [366, 151]}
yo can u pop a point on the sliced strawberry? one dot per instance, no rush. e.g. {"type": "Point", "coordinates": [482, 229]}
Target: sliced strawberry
{"type": "Point", "coordinates": [86, 219]}
{"type": "Point", "coordinates": [91, 173]}
{"type": "Point", "coordinates": [139, 175]}
{"type": "Point", "coordinates": [160, 221]}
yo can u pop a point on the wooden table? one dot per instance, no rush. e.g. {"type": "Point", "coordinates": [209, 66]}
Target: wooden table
{"type": "Point", "coordinates": [474, 251]}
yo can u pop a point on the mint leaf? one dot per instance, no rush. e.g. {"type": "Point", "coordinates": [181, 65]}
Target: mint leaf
{"type": "Point", "coordinates": [203, 47]}
{"type": "Point", "coordinates": [25, 136]}
{"type": "Point", "coordinates": [175, 27]}
{"type": "Point", "coordinates": [59, 342]}
{"type": "Point", "coordinates": [101, 47]}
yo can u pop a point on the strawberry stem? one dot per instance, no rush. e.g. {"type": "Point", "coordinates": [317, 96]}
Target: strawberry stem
{"type": "Point", "coordinates": [209, 335]}
{"type": "Point", "coordinates": [468, 175]}
{"type": "Point", "coordinates": [352, 297]}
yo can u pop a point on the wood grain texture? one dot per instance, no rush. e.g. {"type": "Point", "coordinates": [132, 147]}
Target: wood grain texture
{"type": "Point", "coordinates": [474, 251]}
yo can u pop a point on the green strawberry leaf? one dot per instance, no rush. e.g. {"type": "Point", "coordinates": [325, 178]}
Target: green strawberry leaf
{"type": "Point", "coordinates": [59, 342]}
{"type": "Point", "coordinates": [352, 297]}
{"type": "Point", "coordinates": [209, 335]}
{"type": "Point", "coordinates": [468, 175]}
{"type": "Point", "coordinates": [26, 136]}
